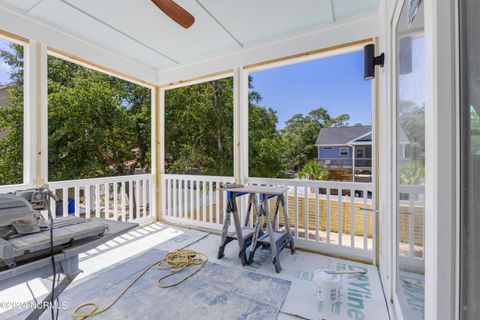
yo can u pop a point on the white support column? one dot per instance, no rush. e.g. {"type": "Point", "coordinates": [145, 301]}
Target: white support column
{"type": "Point", "coordinates": [154, 165]}
{"type": "Point", "coordinates": [35, 155]}
{"type": "Point", "coordinates": [160, 150]}
{"type": "Point", "coordinates": [240, 118]}
{"type": "Point", "coordinates": [29, 114]}
{"type": "Point", "coordinates": [244, 106]}
{"type": "Point", "coordinates": [237, 127]}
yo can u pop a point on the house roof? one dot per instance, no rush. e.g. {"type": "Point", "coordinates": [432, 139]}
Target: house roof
{"type": "Point", "coordinates": [342, 135]}
{"type": "Point", "coordinates": [352, 135]}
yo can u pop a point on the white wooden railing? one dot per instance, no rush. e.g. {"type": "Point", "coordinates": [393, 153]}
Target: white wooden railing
{"type": "Point", "coordinates": [333, 221]}
{"type": "Point", "coordinates": [411, 226]}
{"type": "Point", "coordinates": [122, 198]}
{"type": "Point", "coordinates": [339, 218]}
{"type": "Point", "coordinates": [194, 200]}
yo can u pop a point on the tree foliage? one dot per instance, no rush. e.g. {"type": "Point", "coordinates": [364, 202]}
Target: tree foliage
{"type": "Point", "coordinates": [265, 144]}
{"type": "Point", "coordinates": [199, 128]}
{"type": "Point", "coordinates": [11, 119]}
{"type": "Point", "coordinates": [412, 121]}
{"type": "Point", "coordinates": [199, 132]}
{"type": "Point", "coordinates": [313, 171]}
{"type": "Point", "coordinates": [300, 135]}
{"type": "Point", "coordinates": [412, 173]}
{"type": "Point", "coordinates": [98, 125]}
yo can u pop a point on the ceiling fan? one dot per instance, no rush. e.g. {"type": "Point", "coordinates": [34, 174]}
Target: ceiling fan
{"type": "Point", "coordinates": [175, 12]}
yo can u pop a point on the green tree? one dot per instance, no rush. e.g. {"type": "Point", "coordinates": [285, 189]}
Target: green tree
{"type": "Point", "coordinates": [98, 125]}
{"type": "Point", "coordinates": [300, 135]}
{"type": "Point", "coordinates": [412, 121]}
{"type": "Point", "coordinates": [313, 171]}
{"type": "Point", "coordinates": [412, 173]}
{"type": "Point", "coordinates": [199, 128]}
{"type": "Point", "coordinates": [265, 143]}
{"type": "Point", "coordinates": [11, 119]}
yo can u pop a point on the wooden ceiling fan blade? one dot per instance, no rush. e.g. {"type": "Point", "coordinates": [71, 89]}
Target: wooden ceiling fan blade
{"type": "Point", "coordinates": [175, 12]}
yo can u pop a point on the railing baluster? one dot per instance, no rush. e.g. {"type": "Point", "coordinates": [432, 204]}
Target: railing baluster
{"type": "Point", "coordinates": [374, 234]}
{"type": "Point", "coordinates": [217, 202]}
{"type": "Point", "coordinates": [224, 202]}
{"type": "Point", "coordinates": [174, 197]}
{"type": "Point", "coordinates": [328, 216]}
{"type": "Point", "coordinates": [204, 201]}
{"type": "Point", "coordinates": [115, 201]}
{"type": "Point", "coordinates": [147, 202]}
{"type": "Point", "coordinates": [317, 216]}
{"type": "Point", "coordinates": [137, 199]}
{"type": "Point", "coordinates": [88, 201]}
{"type": "Point", "coordinates": [340, 216]}
{"type": "Point", "coordinates": [185, 199]}
{"type": "Point", "coordinates": [197, 200]}
{"type": "Point", "coordinates": [130, 200]}
{"type": "Point", "coordinates": [287, 201]}
{"type": "Point", "coordinates": [77, 201]}
{"type": "Point", "coordinates": [180, 200]}
{"type": "Point", "coordinates": [123, 205]}
{"type": "Point", "coordinates": [365, 220]}
{"type": "Point", "coordinates": [53, 204]}
{"type": "Point", "coordinates": [210, 202]}
{"type": "Point", "coordinates": [295, 190]}
{"type": "Point", "coordinates": [97, 200]}
{"type": "Point", "coordinates": [411, 226]}
{"type": "Point", "coordinates": [140, 212]}
{"type": "Point", "coordinates": [65, 201]}
{"type": "Point", "coordinates": [191, 206]}
{"type": "Point", "coordinates": [305, 211]}
{"type": "Point", "coordinates": [107, 200]}
{"type": "Point", "coordinates": [352, 218]}
{"type": "Point", "coordinates": [168, 202]}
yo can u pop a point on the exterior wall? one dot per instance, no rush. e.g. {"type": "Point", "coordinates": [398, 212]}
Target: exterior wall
{"type": "Point", "coordinates": [335, 157]}
{"type": "Point", "coordinates": [340, 167]}
{"type": "Point", "coordinates": [334, 152]}
{"type": "Point", "coordinates": [345, 161]}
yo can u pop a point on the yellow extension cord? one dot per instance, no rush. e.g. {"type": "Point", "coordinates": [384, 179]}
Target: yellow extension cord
{"type": "Point", "coordinates": [174, 261]}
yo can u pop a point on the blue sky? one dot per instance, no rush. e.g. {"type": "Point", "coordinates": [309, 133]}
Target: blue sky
{"type": "Point", "coordinates": [334, 83]}
{"type": "Point", "coordinates": [4, 68]}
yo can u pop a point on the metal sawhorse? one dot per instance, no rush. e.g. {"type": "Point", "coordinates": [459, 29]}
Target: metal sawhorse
{"type": "Point", "coordinates": [243, 234]}
{"type": "Point", "coordinates": [275, 239]}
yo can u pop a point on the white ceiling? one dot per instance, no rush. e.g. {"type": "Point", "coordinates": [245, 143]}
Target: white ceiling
{"type": "Point", "coordinates": [138, 30]}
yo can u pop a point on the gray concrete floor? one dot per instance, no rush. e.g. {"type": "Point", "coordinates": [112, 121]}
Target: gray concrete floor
{"type": "Point", "coordinates": [361, 295]}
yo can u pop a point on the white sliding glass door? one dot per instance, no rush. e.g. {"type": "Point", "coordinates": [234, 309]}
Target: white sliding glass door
{"type": "Point", "coordinates": [409, 165]}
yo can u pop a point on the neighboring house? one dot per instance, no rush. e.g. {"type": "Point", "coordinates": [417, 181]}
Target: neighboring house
{"type": "Point", "coordinates": [347, 152]}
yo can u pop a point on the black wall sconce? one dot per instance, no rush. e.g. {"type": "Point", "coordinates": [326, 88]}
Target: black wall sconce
{"type": "Point", "coordinates": [370, 61]}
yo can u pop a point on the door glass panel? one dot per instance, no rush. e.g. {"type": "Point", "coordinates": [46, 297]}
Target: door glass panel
{"type": "Point", "coordinates": [470, 160]}
{"type": "Point", "coordinates": [410, 163]}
